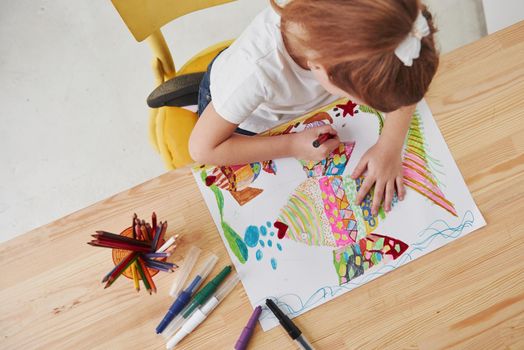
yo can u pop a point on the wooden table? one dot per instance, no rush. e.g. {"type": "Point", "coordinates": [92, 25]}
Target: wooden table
{"type": "Point", "coordinates": [469, 294]}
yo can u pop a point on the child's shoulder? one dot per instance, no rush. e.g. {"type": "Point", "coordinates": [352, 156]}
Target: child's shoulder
{"type": "Point", "coordinates": [257, 42]}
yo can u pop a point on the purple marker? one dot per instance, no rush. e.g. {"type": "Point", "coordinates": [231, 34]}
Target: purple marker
{"type": "Point", "coordinates": [248, 329]}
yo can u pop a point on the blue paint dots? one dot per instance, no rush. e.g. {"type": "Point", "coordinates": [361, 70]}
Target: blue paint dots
{"type": "Point", "coordinates": [272, 233]}
{"type": "Point", "coordinates": [274, 263]}
{"type": "Point", "coordinates": [269, 243]}
{"type": "Point", "coordinates": [263, 230]}
{"type": "Point", "coordinates": [279, 247]}
{"type": "Point", "coordinates": [259, 255]}
{"type": "Point", "coordinates": [261, 242]}
{"type": "Point", "coordinates": [268, 224]}
{"type": "Point", "coordinates": [251, 236]}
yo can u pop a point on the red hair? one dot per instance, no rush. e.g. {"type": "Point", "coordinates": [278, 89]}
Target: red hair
{"type": "Point", "coordinates": [355, 41]}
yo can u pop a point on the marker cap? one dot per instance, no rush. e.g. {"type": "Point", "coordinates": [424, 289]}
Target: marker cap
{"type": "Point", "coordinates": [183, 273]}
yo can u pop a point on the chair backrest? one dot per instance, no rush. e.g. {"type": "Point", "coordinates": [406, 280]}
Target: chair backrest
{"type": "Point", "coordinates": [145, 17]}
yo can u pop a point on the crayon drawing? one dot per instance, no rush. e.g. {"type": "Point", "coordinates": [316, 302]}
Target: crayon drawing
{"type": "Point", "coordinates": [292, 232]}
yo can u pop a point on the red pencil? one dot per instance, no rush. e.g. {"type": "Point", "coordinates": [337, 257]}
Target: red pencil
{"type": "Point", "coordinates": [133, 225]}
{"type": "Point", "coordinates": [124, 264]}
{"type": "Point", "coordinates": [124, 246]}
{"type": "Point", "coordinates": [138, 232]}
{"type": "Point", "coordinates": [153, 221]}
{"type": "Point", "coordinates": [321, 139]}
{"type": "Point", "coordinates": [107, 236]}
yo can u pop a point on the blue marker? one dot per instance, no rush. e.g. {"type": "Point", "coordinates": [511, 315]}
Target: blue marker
{"type": "Point", "coordinates": [185, 296]}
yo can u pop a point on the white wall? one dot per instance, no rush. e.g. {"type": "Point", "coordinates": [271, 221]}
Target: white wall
{"type": "Point", "coordinates": [502, 13]}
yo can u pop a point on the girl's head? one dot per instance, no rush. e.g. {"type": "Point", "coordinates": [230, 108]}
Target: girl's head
{"type": "Point", "coordinates": [350, 47]}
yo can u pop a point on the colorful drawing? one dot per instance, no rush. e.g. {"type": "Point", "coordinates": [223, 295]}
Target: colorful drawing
{"type": "Point", "coordinates": [236, 244]}
{"type": "Point", "coordinates": [370, 221]}
{"type": "Point", "coordinates": [261, 238]}
{"type": "Point", "coordinates": [336, 206]}
{"type": "Point", "coordinates": [304, 230]}
{"type": "Point", "coordinates": [303, 218]}
{"type": "Point", "coordinates": [354, 260]}
{"type": "Point", "coordinates": [416, 171]}
{"type": "Point", "coordinates": [237, 178]}
{"type": "Point", "coordinates": [335, 164]}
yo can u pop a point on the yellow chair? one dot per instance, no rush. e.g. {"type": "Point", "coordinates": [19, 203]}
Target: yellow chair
{"type": "Point", "coordinates": [169, 124]}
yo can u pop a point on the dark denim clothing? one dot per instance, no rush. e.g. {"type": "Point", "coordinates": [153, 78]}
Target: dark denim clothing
{"type": "Point", "coordinates": [204, 96]}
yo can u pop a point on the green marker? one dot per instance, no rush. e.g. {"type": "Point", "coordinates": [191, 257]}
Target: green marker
{"type": "Point", "coordinates": [199, 299]}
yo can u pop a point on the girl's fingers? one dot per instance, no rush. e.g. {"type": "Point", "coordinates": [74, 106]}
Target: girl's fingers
{"type": "Point", "coordinates": [331, 144]}
{"type": "Point", "coordinates": [390, 192]}
{"type": "Point", "coordinates": [401, 190]}
{"type": "Point", "coordinates": [377, 197]}
{"type": "Point", "coordinates": [366, 186]}
{"type": "Point", "coordinates": [359, 169]}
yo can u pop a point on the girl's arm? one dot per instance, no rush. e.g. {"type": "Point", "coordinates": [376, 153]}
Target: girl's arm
{"type": "Point", "coordinates": [383, 161]}
{"type": "Point", "coordinates": [213, 141]}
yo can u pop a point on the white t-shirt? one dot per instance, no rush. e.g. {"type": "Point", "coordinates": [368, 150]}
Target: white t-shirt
{"type": "Point", "coordinates": [255, 83]}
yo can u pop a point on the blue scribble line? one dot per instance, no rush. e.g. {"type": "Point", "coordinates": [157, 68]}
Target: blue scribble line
{"type": "Point", "coordinates": [439, 228]}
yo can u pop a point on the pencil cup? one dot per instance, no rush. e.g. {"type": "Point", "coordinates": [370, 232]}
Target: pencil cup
{"type": "Point", "coordinates": [120, 254]}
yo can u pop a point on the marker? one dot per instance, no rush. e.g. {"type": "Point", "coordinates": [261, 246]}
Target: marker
{"type": "Point", "coordinates": [321, 139]}
{"type": "Point", "coordinates": [199, 299]}
{"type": "Point", "coordinates": [289, 326]}
{"type": "Point", "coordinates": [189, 263]}
{"type": "Point", "coordinates": [201, 313]}
{"type": "Point", "coordinates": [242, 341]}
{"type": "Point", "coordinates": [185, 296]}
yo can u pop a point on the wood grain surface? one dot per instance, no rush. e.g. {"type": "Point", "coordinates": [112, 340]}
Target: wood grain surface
{"type": "Point", "coordinates": [467, 295]}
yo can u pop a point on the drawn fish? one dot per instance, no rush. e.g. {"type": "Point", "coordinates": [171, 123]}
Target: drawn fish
{"type": "Point", "coordinates": [237, 179]}
{"type": "Point", "coordinates": [319, 213]}
{"type": "Point", "coordinates": [353, 260]}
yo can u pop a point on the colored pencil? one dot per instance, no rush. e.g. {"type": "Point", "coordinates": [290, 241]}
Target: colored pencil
{"type": "Point", "coordinates": [166, 245]}
{"type": "Point", "coordinates": [149, 230]}
{"type": "Point", "coordinates": [143, 229]}
{"type": "Point", "coordinates": [135, 276]}
{"type": "Point", "coordinates": [106, 277]}
{"type": "Point", "coordinates": [153, 221]}
{"type": "Point", "coordinates": [163, 264]}
{"type": "Point", "coordinates": [148, 275]}
{"type": "Point", "coordinates": [157, 255]}
{"type": "Point", "coordinates": [123, 246]}
{"type": "Point", "coordinates": [171, 249]}
{"type": "Point", "coordinates": [159, 268]}
{"type": "Point", "coordinates": [162, 234]}
{"type": "Point", "coordinates": [124, 264]}
{"type": "Point", "coordinates": [133, 225]}
{"type": "Point", "coordinates": [154, 243]}
{"type": "Point", "coordinates": [138, 232]}
{"type": "Point", "coordinates": [143, 277]}
{"type": "Point", "coordinates": [114, 237]}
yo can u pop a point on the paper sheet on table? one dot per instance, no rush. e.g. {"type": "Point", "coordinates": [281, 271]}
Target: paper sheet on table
{"type": "Point", "coordinates": [292, 228]}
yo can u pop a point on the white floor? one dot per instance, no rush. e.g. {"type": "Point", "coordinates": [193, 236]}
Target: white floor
{"type": "Point", "coordinates": [74, 83]}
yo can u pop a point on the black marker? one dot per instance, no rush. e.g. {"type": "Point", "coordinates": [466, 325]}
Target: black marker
{"type": "Point", "coordinates": [290, 327]}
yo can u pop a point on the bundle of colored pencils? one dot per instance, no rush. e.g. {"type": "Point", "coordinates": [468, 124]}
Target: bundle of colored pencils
{"type": "Point", "coordinates": [146, 251]}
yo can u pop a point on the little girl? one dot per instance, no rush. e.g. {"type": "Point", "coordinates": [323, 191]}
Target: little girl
{"type": "Point", "coordinates": [292, 60]}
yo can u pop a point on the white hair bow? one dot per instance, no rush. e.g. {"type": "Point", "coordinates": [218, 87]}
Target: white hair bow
{"type": "Point", "coordinates": [409, 48]}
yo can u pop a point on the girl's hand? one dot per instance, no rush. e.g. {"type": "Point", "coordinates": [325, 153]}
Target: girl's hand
{"type": "Point", "coordinates": [384, 170]}
{"type": "Point", "coordinates": [302, 143]}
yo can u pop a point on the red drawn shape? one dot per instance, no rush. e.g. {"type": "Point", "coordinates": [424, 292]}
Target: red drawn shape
{"type": "Point", "coordinates": [210, 180]}
{"type": "Point", "coordinates": [348, 108]}
{"type": "Point", "coordinates": [282, 229]}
